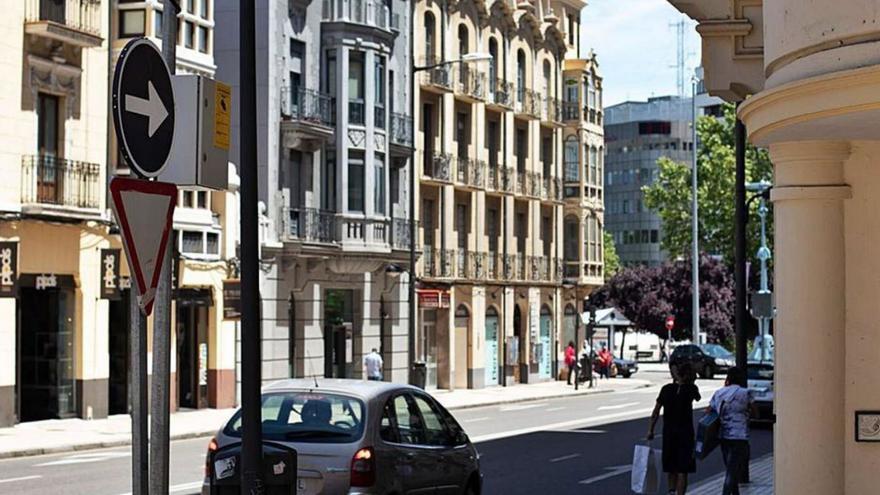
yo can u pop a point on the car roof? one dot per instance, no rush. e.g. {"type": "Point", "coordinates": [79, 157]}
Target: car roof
{"type": "Point", "coordinates": [364, 389]}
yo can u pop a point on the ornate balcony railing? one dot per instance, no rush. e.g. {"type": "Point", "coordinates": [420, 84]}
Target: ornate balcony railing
{"type": "Point", "coordinates": [440, 76]}
{"type": "Point", "coordinates": [571, 110]}
{"type": "Point", "coordinates": [572, 269]}
{"type": "Point", "coordinates": [79, 15]}
{"type": "Point", "coordinates": [501, 92]}
{"type": "Point", "coordinates": [308, 106]}
{"type": "Point", "coordinates": [430, 262]}
{"type": "Point", "coordinates": [528, 102]}
{"type": "Point", "coordinates": [551, 110]}
{"type": "Point", "coordinates": [508, 179]}
{"type": "Point", "coordinates": [461, 263]}
{"type": "Point", "coordinates": [400, 232]}
{"type": "Point", "coordinates": [447, 263]}
{"type": "Point", "coordinates": [533, 184]}
{"type": "Point", "coordinates": [470, 82]}
{"type": "Point", "coordinates": [494, 266]}
{"type": "Point", "coordinates": [520, 187]}
{"type": "Point", "coordinates": [493, 177]}
{"type": "Point", "coordinates": [470, 172]}
{"type": "Point", "coordinates": [477, 265]}
{"type": "Point", "coordinates": [557, 189]}
{"type": "Point", "coordinates": [401, 129]}
{"type": "Point", "coordinates": [312, 225]}
{"type": "Point", "coordinates": [364, 230]}
{"type": "Point", "coordinates": [50, 180]}
{"type": "Point", "coordinates": [439, 168]}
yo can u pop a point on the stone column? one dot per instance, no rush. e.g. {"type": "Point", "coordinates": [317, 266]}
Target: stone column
{"type": "Point", "coordinates": [808, 201]}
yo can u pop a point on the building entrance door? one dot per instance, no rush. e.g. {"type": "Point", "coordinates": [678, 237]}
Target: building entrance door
{"type": "Point", "coordinates": [426, 343]}
{"type": "Point", "coordinates": [192, 355]}
{"type": "Point", "coordinates": [545, 367]}
{"type": "Point", "coordinates": [46, 384]}
{"type": "Point", "coordinates": [518, 337]}
{"type": "Point", "coordinates": [338, 333]}
{"type": "Point", "coordinates": [462, 346]}
{"type": "Point", "coordinates": [491, 364]}
{"type": "Point", "coordinates": [118, 334]}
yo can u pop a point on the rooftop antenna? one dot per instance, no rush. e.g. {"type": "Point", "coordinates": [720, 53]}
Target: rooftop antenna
{"type": "Point", "coordinates": [681, 57]}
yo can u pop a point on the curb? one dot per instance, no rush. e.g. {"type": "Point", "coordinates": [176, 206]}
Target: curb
{"type": "Point", "coordinates": [94, 445]}
{"type": "Point", "coordinates": [538, 399]}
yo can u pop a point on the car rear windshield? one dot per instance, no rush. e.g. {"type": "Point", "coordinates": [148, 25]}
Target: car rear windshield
{"type": "Point", "coordinates": [312, 417]}
{"type": "Point", "coordinates": [716, 351]}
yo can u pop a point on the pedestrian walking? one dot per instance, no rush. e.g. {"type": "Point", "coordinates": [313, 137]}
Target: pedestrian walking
{"type": "Point", "coordinates": [605, 362]}
{"type": "Point", "coordinates": [733, 403]}
{"type": "Point", "coordinates": [677, 399]}
{"type": "Point", "coordinates": [570, 362]}
{"type": "Point", "coordinates": [373, 365]}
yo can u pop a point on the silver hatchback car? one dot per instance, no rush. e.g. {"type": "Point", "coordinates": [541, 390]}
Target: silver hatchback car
{"type": "Point", "coordinates": [362, 437]}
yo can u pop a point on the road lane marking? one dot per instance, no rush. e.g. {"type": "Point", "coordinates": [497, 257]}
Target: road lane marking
{"type": "Point", "coordinates": [23, 478]}
{"type": "Point", "coordinates": [565, 458]}
{"type": "Point", "coordinates": [521, 407]}
{"type": "Point", "coordinates": [474, 420]}
{"type": "Point", "coordinates": [613, 471]}
{"type": "Point", "coordinates": [584, 422]}
{"type": "Point", "coordinates": [591, 432]}
{"type": "Point", "coordinates": [85, 458]}
{"type": "Point", "coordinates": [179, 488]}
{"type": "Point", "coordinates": [555, 409]}
{"type": "Point", "coordinates": [618, 406]}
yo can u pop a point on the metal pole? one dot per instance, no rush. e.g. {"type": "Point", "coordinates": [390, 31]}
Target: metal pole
{"type": "Point", "coordinates": [411, 340]}
{"type": "Point", "coordinates": [763, 256]}
{"type": "Point", "coordinates": [137, 393]}
{"type": "Point", "coordinates": [577, 356]}
{"type": "Point", "coordinates": [740, 219]}
{"type": "Point", "coordinates": [251, 437]}
{"type": "Point", "coordinates": [695, 229]}
{"type": "Point", "coordinates": [161, 381]}
{"type": "Point", "coordinates": [590, 330]}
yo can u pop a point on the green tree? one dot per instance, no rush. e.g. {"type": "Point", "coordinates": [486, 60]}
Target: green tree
{"type": "Point", "coordinates": [670, 195]}
{"type": "Point", "coordinates": [612, 261]}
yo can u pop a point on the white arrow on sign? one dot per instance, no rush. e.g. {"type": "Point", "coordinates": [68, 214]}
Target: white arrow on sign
{"type": "Point", "coordinates": [152, 108]}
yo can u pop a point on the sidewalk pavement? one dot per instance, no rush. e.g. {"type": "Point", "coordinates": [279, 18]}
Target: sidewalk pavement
{"type": "Point", "coordinates": [65, 435]}
{"type": "Point", "coordinates": [760, 472]}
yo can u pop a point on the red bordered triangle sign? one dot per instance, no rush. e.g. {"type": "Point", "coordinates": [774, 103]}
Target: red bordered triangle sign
{"type": "Point", "coordinates": [145, 211]}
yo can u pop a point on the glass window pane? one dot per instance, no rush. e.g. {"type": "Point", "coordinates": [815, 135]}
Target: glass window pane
{"type": "Point", "coordinates": [132, 23]}
{"type": "Point", "coordinates": [356, 181]}
{"type": "Point", "coordinates": [435, 431]}
{"type": "Point", "coordinates": [379, 178]}
{"type": "Point", "coordinates": [203, 39]}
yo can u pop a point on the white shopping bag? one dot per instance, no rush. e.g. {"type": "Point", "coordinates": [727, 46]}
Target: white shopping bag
{"type": "Point", "coordinates": [645, 472]}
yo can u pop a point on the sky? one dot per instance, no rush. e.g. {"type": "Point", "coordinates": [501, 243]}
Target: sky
{"type": "Point", "coordinates": [636, 47]}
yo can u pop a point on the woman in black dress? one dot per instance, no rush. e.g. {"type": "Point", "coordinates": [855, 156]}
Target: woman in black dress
{"type": "Point", "coordinates": [676, 399]}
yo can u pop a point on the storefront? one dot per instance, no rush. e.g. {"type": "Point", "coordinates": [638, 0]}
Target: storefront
{"type": "Point", "coordinates": [191, 335]}
{"type": "Point", "coordinates": [432, 334]}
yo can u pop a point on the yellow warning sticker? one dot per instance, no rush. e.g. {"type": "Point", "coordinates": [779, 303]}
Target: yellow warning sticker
{"type": "Point", "coordinates": [222, 109]}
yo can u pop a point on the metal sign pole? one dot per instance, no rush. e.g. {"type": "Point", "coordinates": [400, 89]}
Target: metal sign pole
{"type": "Point", "coordinates": [161, 384]}
{"type": "Point", "coordinates": [138, 397]}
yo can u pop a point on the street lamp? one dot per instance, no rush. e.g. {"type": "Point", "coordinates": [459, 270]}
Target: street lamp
{"type": "Point", "coordinates": [762, 307]}
{"type": "Point", "coordinates": [467, 58]}
{"type": "Point", "coordinates": [695, 249]}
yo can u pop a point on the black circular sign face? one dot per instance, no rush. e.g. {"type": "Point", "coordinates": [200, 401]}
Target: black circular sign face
{"type": "Point", "coordinates": [143, 107]}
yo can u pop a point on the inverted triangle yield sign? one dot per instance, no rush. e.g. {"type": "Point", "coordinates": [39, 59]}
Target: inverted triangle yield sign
{"type": "Point", "coordinates": [144, 211]}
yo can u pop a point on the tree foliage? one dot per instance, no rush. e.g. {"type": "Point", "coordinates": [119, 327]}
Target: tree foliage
{"type": "Point", "coordinates": [670, 195]}
{"type": "Point", "coordinates": [648, 295]}
{"type": "Point", "coordinates": [612, 260]}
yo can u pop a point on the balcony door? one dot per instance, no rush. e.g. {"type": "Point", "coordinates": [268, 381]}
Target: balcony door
{"type": "Point", "coordinates": [47, 173]}
{"type": "Point", "coordinates": [297, 62]}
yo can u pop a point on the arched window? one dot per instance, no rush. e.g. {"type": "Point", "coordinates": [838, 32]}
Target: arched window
{"type": "Point", "coordinates": [462, 51]}
{"type": "Point", "coordinates": [461, 311]}
{"type": "Point", "coordinates": [520, 75]}
{"type": "Point", "coordinates": [429, 38]}
{"type": "Point", "coordinates": [548, 83]}
{"type": "Point", "coordinates": [571, 159]}
{"type": "Point", "coordinates": [570, 239]}
{"type": "Point", "coordinates": [493, 64]}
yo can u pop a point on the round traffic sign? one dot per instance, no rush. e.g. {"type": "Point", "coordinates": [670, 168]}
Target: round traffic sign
{"type": "Point", "coordinates": [143, 107]}
{"type": "Point", "coordinates": [670, 322]}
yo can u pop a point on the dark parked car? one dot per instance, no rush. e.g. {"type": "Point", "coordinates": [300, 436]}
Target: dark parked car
{"type": "Point", "coordinates": [707, 360]}
{"type": "Point", "coordinates": [624, 367]}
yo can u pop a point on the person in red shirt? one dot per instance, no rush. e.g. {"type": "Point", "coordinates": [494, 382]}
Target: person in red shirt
{"type": "Point", "coordinates": [570, 360]}
{"type": "Point", "coordinates": [606, 360]}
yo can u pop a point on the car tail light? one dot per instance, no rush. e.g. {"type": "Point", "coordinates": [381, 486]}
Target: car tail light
{"type": "Point", "coordinates": [363, 467]}
{"type": "Point", "coordinates": [212, 447]}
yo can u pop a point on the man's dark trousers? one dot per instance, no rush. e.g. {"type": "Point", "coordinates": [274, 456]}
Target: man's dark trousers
{"type": "Point", "coordinates": [735, 453]}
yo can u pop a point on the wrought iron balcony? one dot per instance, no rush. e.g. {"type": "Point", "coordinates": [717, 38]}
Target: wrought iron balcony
{"type": "Point", "coordinates": [528, 103]}
{"type": "Point", "coordinates": [508, 179]}
{"type": "Point", "coordinates": [308, 106]}
{"type": "Point", "coordinates": [494, 266]}
{"type": "Point", "coordinates": [501, 93]}
{"type": "Point", "coordinates": [470, 83]}
{"type": "Point", "coordinates": [470, 172]}
{"type": "Point", "coordinates": [49, 180]}
{"type": "Point", "coordinates": [533, 184]}
{"type": "Point", "coordinates": [312, 225]}
{"type": "Point", "coordinates": [551, 110]}
{"type": "Point", "coordinates": [571, 111]}
{"type": "Point", "coordinates": [493, 178]}
{"type": "Point", "coordinates": [520, 182]}
{"type": "Point", "coordinates": [439, 77]}
{"type": "Point", "coordinates": [461, 263]}
{"type": "Point", "coordinates": [401, 130]}
{"type": "Point", "coordinates": [438, 263]}
{"type": "Point", "coordinates": [77, 22]}
{"type": "Point", "coordinates": [439, 167]}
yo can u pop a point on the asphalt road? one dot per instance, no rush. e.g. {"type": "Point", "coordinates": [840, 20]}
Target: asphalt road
{"type": "Point", "coordinates": [570, 445]}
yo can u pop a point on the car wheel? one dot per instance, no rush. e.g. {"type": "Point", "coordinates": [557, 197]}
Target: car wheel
{"type": "Point", "coordinates": [473, 487]}
{"type": "Point", "coordinates": [626, 374]}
